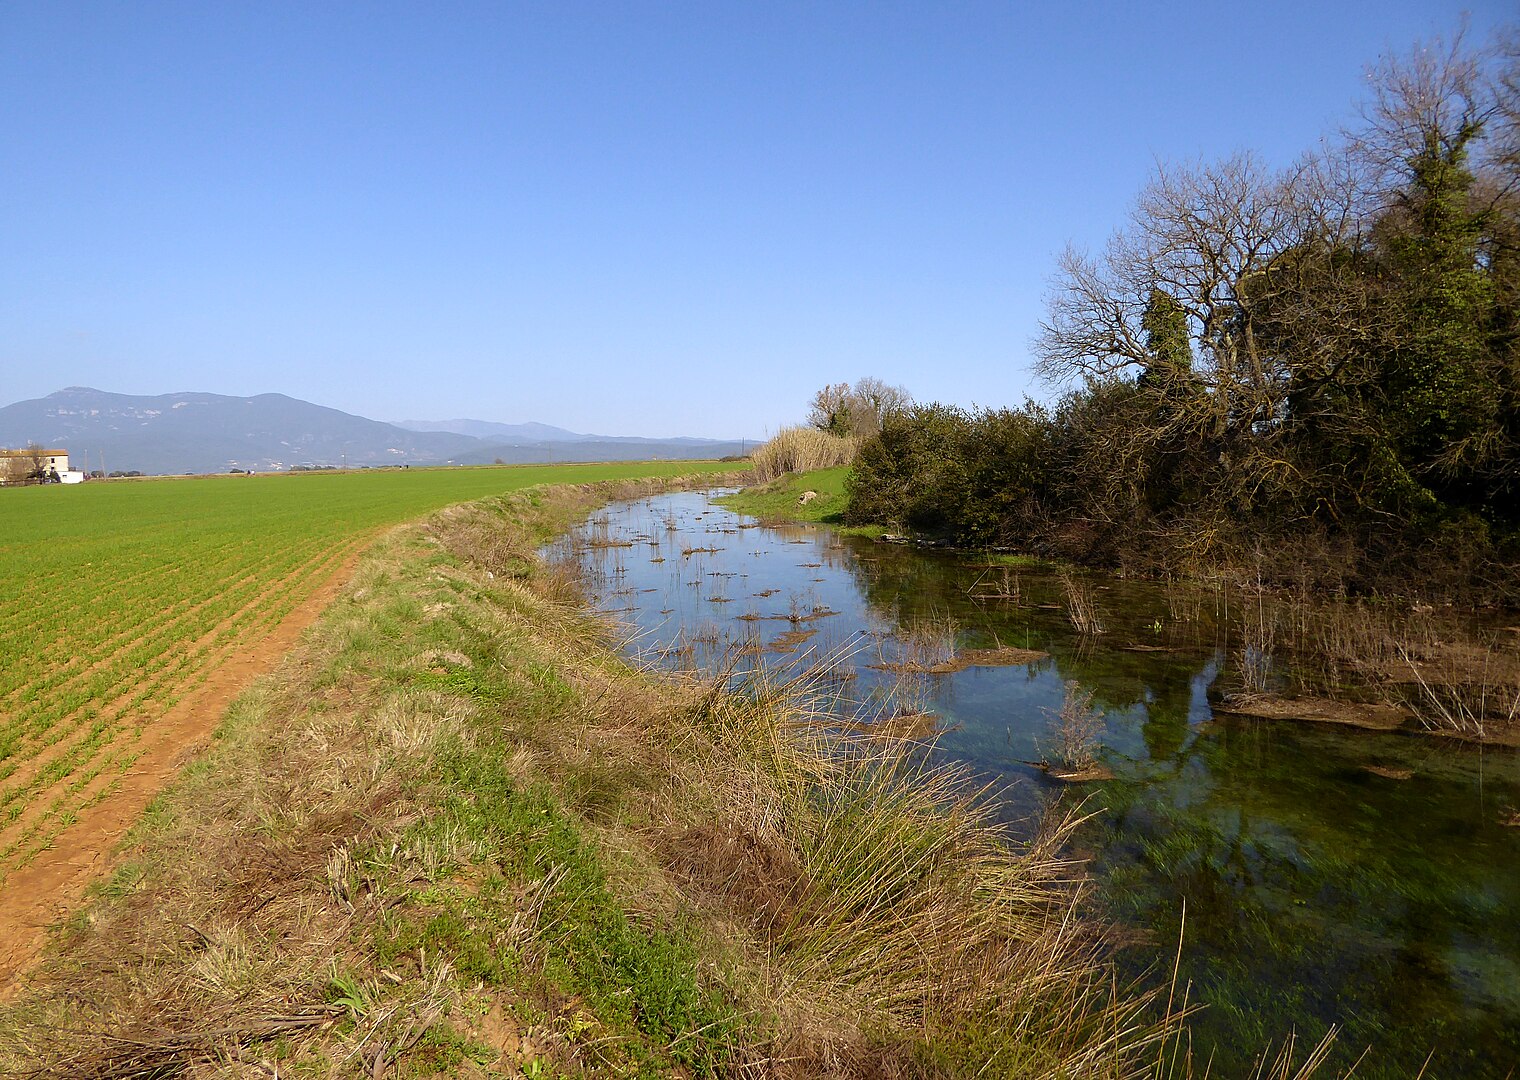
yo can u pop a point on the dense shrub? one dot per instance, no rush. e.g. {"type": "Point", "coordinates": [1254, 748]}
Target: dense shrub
{"type": "Point", "coordinates": [1088, 482]}
{"type": "Point", "coordinates": [975, 477]}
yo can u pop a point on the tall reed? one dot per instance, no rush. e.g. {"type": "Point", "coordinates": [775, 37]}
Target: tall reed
{"type": "Point", "coordinates": [1081, 607]}
{"type": "Point", "coordinates": [802, 449]}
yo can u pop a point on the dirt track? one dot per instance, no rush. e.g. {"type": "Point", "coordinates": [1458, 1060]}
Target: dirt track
{"type": "Point", "coordinates": [51, 885]}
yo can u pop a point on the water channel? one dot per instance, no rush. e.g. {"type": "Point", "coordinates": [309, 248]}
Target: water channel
{"type": "Point", "coordinates": [1328, 875]}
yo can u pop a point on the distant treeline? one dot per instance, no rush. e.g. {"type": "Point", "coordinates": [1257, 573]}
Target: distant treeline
{"type": "Point", "coordinates": [1312, 374]}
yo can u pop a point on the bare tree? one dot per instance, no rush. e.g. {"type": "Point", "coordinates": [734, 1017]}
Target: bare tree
{"type": "Point", "coordinates": [879, 400]}
{"type": "Point", "coordinates": [1220, 243]}
{"type": "Point", "coordinates": [829, 409]}
{"type": "Point", "coordinates": [1433, 101]}
{"type": "Point", "coordinates": [36, 460]}
{"type": "Point", "coordinates": [1347, 297]}
{"type": "Point", "coordinates": [1502, 159]}
{"type": "Point", "coordinates": [842, 409]}
{"type": "Point", "coordinates": [1498, 173]}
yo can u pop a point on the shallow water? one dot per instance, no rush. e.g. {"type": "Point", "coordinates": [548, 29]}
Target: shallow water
{"type": "Point", "coordinates": [1316, 891]}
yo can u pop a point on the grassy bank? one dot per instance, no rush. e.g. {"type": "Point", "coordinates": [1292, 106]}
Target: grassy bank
{"type": "Point", "coordinates": [782, 499]}
{"type": "Point", "coordinates": [458, 835]}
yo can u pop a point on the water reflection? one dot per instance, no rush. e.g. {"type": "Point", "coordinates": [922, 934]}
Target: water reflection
{"type": "Point", "coordinates": [1330, 876]}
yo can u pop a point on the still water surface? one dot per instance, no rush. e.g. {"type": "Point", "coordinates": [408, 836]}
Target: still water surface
{"type": "Point", "coordinates": [1328, 875]}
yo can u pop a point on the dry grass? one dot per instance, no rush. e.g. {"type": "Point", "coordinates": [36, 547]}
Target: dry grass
{"type": "Point", "coordinates": [1438, 662]}
{"type": "Point", "coordinates": [924, 645]}
{"type": "Point", "coordinates": [1074, 729]}
{"type": "Point", "coordinates": [1470, 697]}
{"type": "Point", "coordinates": [1081, 605]}
{"type": "Point", "coordinates": [888, 904]}
{"type": "Point", "coordinates": [802, 449]}
{"type": "Point", "coordinates": [1447, 667]}
{"type": "Point", "coordinates": [1254, 658]}
{"type": "Point", "coordinates": [997, 583]}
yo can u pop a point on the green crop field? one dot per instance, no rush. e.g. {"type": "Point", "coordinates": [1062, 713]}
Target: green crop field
{"type": "Point", "coordinates": [118, 598]}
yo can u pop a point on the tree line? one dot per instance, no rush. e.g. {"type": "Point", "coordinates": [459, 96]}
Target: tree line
{"type": "Point", "coordinates": [1313, 372]}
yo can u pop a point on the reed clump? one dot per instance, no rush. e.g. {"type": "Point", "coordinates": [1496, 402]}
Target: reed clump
{"type": "Point", "coordinates": [1075, 728]}
{"type": "Point", "coordinates": [802, 449]}
{"type": "Point", "coordinates": [883, 896]}
{"type": "Point", "coordinates": [1081, 605]}
{"type": "Point", "coordinates": [1436, 662]}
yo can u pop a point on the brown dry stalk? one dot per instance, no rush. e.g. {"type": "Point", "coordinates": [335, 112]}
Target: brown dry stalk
{"type": "Point", "coordinates": [802, 449]}
{"type": "Point", "coordinates": [1081, 607]}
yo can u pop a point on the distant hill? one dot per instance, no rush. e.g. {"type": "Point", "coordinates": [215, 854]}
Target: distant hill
{"type": "Point", "coordinates": [202, 433]}
{"type": "Point", "coordinates": [493, 432]}
{"type": "Point", "coordinates": [619, 448]}
{"type": "Point", "coordinates": [537, 434]}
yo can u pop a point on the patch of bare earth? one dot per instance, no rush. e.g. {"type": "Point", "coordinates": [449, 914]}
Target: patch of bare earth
{"type": "Point", "coordinates": [52, 884]}
{"type": "Point", "coordinates": [1078, 774]}
{"type": "Point", "coordinates": [1376, 717]}
{"type": "Point", "coordinates": [1389, 772]}
{"type": "Point", "coordinates": [1005, 656]}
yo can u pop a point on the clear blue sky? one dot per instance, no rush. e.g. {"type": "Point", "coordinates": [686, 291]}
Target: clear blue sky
{"type": "Point", "coordinates": [637, 218]}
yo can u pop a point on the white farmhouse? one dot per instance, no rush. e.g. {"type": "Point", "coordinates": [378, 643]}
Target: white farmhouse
{"type": "Point", "coordinates": [17, 465]}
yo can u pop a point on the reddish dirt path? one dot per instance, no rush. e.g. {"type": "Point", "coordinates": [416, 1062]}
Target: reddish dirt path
{"type": "Point", "coordinates": [52, 885]}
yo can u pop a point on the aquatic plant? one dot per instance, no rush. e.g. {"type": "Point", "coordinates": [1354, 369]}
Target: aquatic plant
{"type": "Point", "coordinates": [1081, 608]}
{"type": "Point", "coordinates": [1074, 728]}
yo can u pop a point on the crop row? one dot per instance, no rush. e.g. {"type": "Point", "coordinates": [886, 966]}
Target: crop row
{"type": "Point", "coordinates": [147, 679]}
{"type": "Point", "coordinates": [61, 785]}
{"type": "Point", "coordinates": [117, 599]}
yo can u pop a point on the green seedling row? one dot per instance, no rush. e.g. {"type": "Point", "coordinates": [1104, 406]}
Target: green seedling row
{"type": "Point", "coordinates": [117, 598]}
{"type": "Point", "coordinates": [158, 684]}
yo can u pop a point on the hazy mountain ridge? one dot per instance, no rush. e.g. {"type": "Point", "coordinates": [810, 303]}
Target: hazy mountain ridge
{"type": "Point", "coordinates": [535, 433]}
{"type": "Point", "coordinates": [494, 432]}
{"type": "Point", "coordinates": [202, 432]}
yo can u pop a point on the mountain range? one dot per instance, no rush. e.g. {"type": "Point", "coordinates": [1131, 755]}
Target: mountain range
{"type": "Point", "coordinates": [203, 433]}
{"type": "Point", "coordinates": [537, 433]}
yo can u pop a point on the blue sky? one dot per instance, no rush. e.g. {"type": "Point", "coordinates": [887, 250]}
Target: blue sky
{"type": "Point", "coordinates": [637, 218]}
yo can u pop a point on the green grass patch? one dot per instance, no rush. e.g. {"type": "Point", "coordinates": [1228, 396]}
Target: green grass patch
{"type": "Point", "coordinates": [642, 985]}
{"type": "Point", "coordinates": [115, 581]}
{"type": "Point", "coordinates": [782, 498]}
